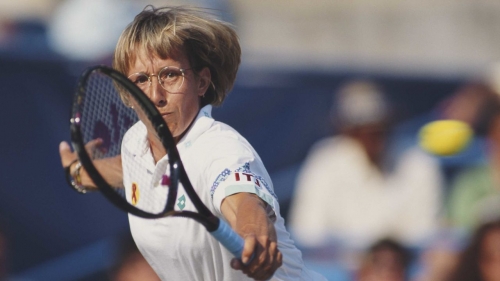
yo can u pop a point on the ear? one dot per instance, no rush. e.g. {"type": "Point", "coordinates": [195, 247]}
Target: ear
{"type": "Point", "coordinates": [205, 79]}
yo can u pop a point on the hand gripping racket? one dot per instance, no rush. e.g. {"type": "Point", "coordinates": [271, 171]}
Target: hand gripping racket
{"type": "Point", "coordinates": [105, 106]}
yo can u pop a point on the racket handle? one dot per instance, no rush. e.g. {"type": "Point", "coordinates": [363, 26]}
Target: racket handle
{"type": "Point", "coordinates": [229, 239]}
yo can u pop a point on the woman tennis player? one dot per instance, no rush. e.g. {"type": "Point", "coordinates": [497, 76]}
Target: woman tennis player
{"type": "Point", "coordinates": [227, 173]}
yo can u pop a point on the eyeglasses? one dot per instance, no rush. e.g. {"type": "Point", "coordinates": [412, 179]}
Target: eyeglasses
{"type": "Point", "coordinates": [170, 78]}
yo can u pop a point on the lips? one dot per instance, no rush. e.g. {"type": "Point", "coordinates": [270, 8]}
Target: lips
{"type": "Point", "coordinates": [167, 116]}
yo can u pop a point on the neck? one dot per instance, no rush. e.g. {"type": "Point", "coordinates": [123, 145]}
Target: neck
{"type": "Point", "coordinates": [156, 147]}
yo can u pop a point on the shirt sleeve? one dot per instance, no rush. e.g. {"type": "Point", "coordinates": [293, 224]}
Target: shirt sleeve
{"type": "Point", "coordinates": [237, 168]}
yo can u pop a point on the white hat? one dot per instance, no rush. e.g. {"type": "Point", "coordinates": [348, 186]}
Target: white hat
{"type": "Point", "coordinates": [359, 103]}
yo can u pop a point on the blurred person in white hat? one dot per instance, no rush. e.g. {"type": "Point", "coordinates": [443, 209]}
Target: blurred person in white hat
{"type": "Point", "coordinates": [345, 194]}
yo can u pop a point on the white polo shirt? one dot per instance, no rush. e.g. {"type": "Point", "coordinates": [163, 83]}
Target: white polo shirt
{"type": "Point", "coordinates": [219, 163]}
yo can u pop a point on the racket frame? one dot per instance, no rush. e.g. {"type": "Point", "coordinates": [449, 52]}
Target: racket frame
{"type": "Point", "coordinates": [218, 228]}
{"type": "Point", "coordinates": [177, 171]}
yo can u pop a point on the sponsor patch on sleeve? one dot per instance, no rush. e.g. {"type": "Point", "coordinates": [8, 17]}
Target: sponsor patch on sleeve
{"type": "Point", "coordinates": [241, 180]}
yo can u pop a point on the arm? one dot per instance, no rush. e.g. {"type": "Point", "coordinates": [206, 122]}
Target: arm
{"type": "Point", "coordinates": [419, 212]}
{"type": "Point", "coordinates": [246, 213]}
{"type": "Point", "coordinates": [111, 168]}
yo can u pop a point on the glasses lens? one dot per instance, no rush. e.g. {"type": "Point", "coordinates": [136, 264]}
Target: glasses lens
{"type": "Point", "coordinates": [171, 78]}
{"type": "Point", "coordinates": [140, 79]}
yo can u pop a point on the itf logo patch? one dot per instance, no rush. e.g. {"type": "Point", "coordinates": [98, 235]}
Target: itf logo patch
{"type": "Point", "coordinates": [181, 202]}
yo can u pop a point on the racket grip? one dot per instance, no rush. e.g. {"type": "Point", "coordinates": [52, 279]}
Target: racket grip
{"type": "Point", "coordinates": [229, 239]}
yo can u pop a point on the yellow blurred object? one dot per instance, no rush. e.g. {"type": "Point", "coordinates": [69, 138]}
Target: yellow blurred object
{"type": "Point", "coordinates": [445, 137]}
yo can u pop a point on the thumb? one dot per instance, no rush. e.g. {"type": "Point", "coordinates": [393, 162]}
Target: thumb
{"type": "Point", "coordinates": [67, 156]}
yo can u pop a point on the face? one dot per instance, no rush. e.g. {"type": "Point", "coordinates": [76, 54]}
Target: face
{"type": "Point", "coordinates": [373, 139]}
{"type": "Point", "coordinates": [178, 108]}
{"type": "Point", "coordinates": [384, 265]}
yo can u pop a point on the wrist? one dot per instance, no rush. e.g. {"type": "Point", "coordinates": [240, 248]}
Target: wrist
{"type": "Point", "coordinates": [73, 176]}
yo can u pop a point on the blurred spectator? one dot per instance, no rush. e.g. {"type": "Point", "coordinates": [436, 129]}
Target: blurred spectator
{"type": "Point", "coordinates": [471, 104]}
{"type": "Point", "coordinates": [386, 260]}
{"type": "Point", "coordinates": [132, 266]}
{"type": "Point", "coordinates": [345, 192]}
{"type": "Point", "coordinates": [472, 187]}
{"type": "Point", "coordinates": [480, 261]}
{"type": "Point", "coordinates": [23, 30]}
{"type": "Point", "coordinates": [27, 9]}
{"type": "Point", "coordinates": [87, 30]}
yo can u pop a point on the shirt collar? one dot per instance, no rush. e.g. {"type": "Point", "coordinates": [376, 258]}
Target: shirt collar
{"type": "Point", "coordinates": [140, 146]}
{"type": "Point", "coordinates": [201, 124]}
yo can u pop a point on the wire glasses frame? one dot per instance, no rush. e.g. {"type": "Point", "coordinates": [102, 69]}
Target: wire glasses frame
{"type": "Point", "coordinates": [171, 78]}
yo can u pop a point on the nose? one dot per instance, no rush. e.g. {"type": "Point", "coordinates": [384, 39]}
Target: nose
{"type": "Point", "coordinates": [157, 93]}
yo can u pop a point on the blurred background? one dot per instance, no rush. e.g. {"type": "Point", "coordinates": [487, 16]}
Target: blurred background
{"type": "Point", "coordinates": [430, 60]}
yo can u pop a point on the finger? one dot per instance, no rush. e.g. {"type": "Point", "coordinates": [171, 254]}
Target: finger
{"type": "Point", "coordinates": [276, 255]}
{"type": "Point", "coordinates": [249, 257]}
{"type": "Point", "coordinates": [269, 265]}
{"type": "Point", "coordinates": [248, 249]}
{"type": "Point", "coordinates": [260, 267]}
{"type": "Point", "coordinates": [92, 145]}
{"type": "Point", "coordinates": [277, 262]}
{"type": "Point", "coordinates": [264, 269]}
{"type": "Point", "coordinates": [67, 156]}
{"type": "Point", "coordinates": [272, 260]}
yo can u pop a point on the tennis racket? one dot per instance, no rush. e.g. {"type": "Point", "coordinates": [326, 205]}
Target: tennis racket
{"type": "Point", "coordinates": [106, 106]}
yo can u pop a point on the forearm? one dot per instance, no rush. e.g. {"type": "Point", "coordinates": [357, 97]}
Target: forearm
{"type": "Point", "coordinates": [246, 213]}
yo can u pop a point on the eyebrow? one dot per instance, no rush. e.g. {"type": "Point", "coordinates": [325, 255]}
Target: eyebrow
{"type": "Point", "coordinates": [163, 67]}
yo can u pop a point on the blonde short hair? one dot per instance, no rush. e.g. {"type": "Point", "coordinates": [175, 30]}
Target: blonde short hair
{"type": "Point", "coordinates": [207, 42]}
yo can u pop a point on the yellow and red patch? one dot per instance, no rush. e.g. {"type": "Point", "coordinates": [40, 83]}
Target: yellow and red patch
{"type": "Point", "coordinates": [135, 194]}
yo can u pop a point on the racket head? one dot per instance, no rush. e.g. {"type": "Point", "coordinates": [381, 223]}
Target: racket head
{"type": "Point", "coordinates": [102, 109]}
{"type": "Point", "coordinates": [105, 107]}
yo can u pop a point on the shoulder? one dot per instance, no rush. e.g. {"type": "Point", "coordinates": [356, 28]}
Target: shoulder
{"type": "Point", "coordinates": [335, 144]}
{"type": "Point", "coordinates": [229, 164]}
{"type": "Point", "coordinates": [419, 166]}
{"type": "Point", "coordinates": [415, 157]}
{"type": "Point", "coordinates": [330, 149]}
{"type": "Point", "coordinates": [220, 149]}
{"type": "Point", "coordinates": [327, 143]}
{"type": "Point", "coordinates": [474, 176]}
{"type": "Point", "coordinates": [221, 139]}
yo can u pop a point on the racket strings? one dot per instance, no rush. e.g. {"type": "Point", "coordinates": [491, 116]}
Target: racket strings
{"type": "Point", "coordinates": [105, 117]}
